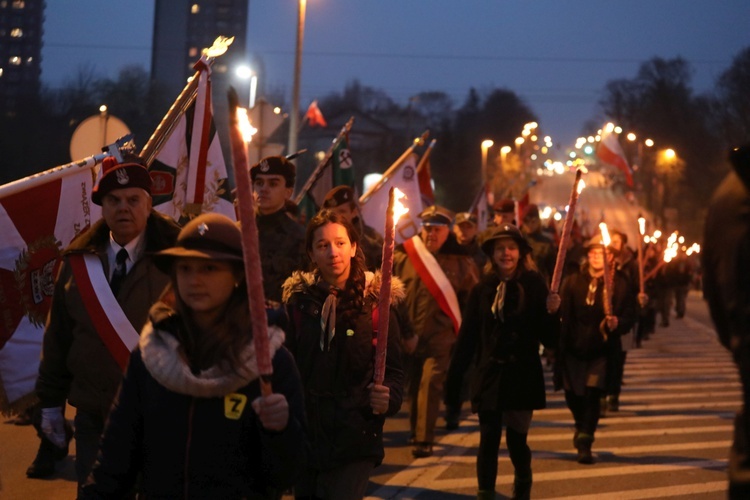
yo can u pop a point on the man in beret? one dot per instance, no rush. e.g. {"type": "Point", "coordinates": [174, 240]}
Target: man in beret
{"type": "Point", "coordinates": [438, 274]}
{"type": "Point", "coordinates": [81, 364]}
{"type": "Point", "coordinates": [543, 249]}
{"type": "Point", "coordinates": [467, 233]}
{"type": "Point", "coordinates": [504, 212]}
{"type": "Point", "coordinates": [281, 239]}
{"type": "Point", "coordinates": [342, 200]}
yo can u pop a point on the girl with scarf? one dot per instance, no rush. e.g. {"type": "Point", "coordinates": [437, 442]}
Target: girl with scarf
{"type": "Point", "coordinates": [332, 336]}
{"type": "Point", "coordinates": [586, 336]}
{"type": "Point", "coordinates": [189, 420]}
{"type": "Point", "coordinates": [504, 321]}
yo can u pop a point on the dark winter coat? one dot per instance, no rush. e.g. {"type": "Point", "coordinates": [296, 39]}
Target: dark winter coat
{"type": "Point", "coordinates": [76, 365]}
{"type": "Point", "coordinates": [508, 371]}
{"type": "Point", "coordinates": [581, 331]}
{"type": "Point", "coordinates": [187, 435]}
{"type": "Point", "coordinates": [342, 426]}
{"type": "Point", "coordinates": [282, 251]}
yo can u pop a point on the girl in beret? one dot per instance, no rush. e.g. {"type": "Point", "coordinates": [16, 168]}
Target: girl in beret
{"type": "Point", "coordinates": [503, 322]}
{"type": "Point", "coordinates": [189, 420]}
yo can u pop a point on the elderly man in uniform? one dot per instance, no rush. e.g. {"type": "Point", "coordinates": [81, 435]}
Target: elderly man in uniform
{"type": "Point", "coordinates": [282, 240]}
{"type": "Point", "coordinates": [342, 200]}
{"type": "Point", "coordinates": [438, 274]}
{"type": "Point", "coordinates": [107, 273]}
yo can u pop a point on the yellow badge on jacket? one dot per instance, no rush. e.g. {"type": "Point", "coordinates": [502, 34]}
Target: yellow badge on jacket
{"type": "Point", "coordinates": [234, 405]}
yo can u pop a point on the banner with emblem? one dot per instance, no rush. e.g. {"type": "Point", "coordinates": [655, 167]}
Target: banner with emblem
{"type": "Point", "coordinates": [37, 223]}
{"type": "Point", "coordinates": [335, 169]}
{"type": "Point", "coordinates": [189, 174]}
{"type": "Point", "coordinates": [374, 203]}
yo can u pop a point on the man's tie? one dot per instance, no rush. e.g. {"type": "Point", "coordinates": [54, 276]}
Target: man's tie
{"type": "Point", "coordinates": [120, 271]}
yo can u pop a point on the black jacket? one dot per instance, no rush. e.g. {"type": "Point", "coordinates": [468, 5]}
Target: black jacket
{"type": "Point", "coordinates": [342, 426]}
{"type": "Point", "coordinates": [508, 372]}
{"type": "Point", "coordinates": [200, 438]}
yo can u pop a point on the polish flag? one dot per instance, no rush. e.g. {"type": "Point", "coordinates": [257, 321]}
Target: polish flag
{"type": "Point", "coordinates": [609, 151]}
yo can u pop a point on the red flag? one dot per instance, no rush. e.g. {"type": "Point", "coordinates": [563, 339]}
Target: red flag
{"type": "Point", "coordinates": [314, 116]}
{"type": "Point", "coordinates": [609, 151]}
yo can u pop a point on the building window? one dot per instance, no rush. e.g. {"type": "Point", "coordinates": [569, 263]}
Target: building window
{"type": "Point", "coordinates": [19, 4]}
{"type": "Point", "coordinates": [29, 60]}
{"type": "Point", "coordinates": [195, 8]}
{"type": "Point", "coordinates": [16, 33]}
{"type": "Point", "coordinates": [1, 72]}
{"type": "Point", "coordinates": [15, 61]}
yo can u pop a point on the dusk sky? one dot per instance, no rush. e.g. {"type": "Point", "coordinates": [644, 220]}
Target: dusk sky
{"type": "Point", "coordinates": [557, 55]}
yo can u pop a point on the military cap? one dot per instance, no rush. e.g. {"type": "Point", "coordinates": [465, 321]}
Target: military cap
{"type": "Point", "coordinates": [120, 176]}
{"type": "Point", "coordinates": [275, 165]}
{"type": "Point", "coordinates": [504, 206]}
{"type": "Point", "coordinates": [469, 217]}
{"type": "Point", "coordinates": [436, 216]}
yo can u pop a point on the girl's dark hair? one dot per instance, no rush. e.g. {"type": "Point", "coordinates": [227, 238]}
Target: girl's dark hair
{"type": "Point", "coordinates": [228, 336]}
{"type": "Point", "coordinates": [351, 299]}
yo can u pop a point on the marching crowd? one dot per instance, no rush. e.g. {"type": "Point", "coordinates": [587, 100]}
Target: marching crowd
{"type": "Point", "coordinates": [187, 413]}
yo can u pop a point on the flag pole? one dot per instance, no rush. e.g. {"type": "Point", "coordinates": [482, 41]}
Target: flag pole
{"type": "Point", "coordinates": [322, 164]}
{"type": "Point", "coordinates": [425, 156]}
{"type": "Point", "coordinates": [183, 101]}
{"type": "Point", "coordinates": [61, 171]}
{"type": "Point", "coordinates": [401, 159]}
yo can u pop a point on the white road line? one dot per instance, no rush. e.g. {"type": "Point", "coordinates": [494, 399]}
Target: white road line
{"type": "Point", "coordinates": [663, 492]}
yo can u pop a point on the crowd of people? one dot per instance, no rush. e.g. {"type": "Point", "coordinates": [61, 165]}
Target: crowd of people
{"type": "Point", "coordinates": [188, 413]}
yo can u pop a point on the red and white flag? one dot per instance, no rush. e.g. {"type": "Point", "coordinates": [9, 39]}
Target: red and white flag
{"type": "Point", "coordinates": [189, 173]}
{"type": "Point", "coordinates": [609, 151]}
{"type": "Point", "coordinates": [314, 116]}
{"type": "Point", "coordinates": [374, 203]}
{"type": "Point", "coordinates": [37, 222]}
{"type": "Point", "coordinates": [424, 173]}
{"type": "Point", "coordinates": [481, 208]}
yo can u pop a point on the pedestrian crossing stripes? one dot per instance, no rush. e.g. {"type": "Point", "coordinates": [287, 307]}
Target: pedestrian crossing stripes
{"type": "Point", "coordinates": [670, 437]}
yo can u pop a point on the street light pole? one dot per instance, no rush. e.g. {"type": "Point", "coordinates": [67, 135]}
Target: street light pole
{"type": "Point", "coordinates": [294, 116]}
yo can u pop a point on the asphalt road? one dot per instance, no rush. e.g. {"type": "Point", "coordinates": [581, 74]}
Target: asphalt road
{"type": "Point", "coordinates": [669, 440]}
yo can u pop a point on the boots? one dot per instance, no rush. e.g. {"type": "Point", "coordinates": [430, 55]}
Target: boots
{"type": "Point", "coordinates": [48, 455]}
{"type": "Point", "coordinates": [613, 403]}
{"type": "Point", "coordinates": [485, 495]}
{"type": "Point", "coordinates": [583, 445]}
{"type": "Point", "coordinates": [522, 487]}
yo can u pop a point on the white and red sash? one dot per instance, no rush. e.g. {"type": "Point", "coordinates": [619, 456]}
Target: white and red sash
{"type": "Point", "coordinates": [106, 314]}
{"type": "Point", "coordinates": [434, 278]}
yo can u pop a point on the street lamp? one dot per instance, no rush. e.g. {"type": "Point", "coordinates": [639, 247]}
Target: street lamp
{"type": "Point", "coordinates": [245, 72]}
{"type": "Point", "coordinates": [486, 144]}
{"type": "Point", "coordinates": [294, 116]}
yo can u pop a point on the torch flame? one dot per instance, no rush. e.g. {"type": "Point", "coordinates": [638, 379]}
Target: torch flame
{"type": "Point", "coordinates": [220, 45]}
{"type": "Point", "coordinates": [246, 128]}
{"type": "Point", "coordinates": [399, 208]}
{"type": "Point", "coordinates": [605, 234]}
{"type": "Point", "coordinates": [580, 186]}
{"type": "Point", "coordinates": [642, 225]}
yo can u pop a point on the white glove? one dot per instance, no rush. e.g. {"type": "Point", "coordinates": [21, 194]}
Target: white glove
{"type": "Point", "coordinates": [53, 425]}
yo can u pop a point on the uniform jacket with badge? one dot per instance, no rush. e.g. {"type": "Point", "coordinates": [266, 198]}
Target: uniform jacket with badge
{"type": "Point", "coordinates": [76, 365]}
{"type": "Point", "coordinates": [504, 345]}
{"type": "Point", "coordinates": [282, 251]}
{"type": "Point", "coordinates": [336, 373]}
{"type": "Point", "coordinates": [581, 330]}
{"type": "Point", "coordinates": [434, 327]}
{"type": "Point", "coordinates": [181, 434]}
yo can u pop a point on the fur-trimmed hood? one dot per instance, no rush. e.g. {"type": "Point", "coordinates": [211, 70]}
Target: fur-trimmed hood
{"type": "Point", "coordinates": [161, 355]}
{"type": "Point", "coordinates": [301, 281]}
